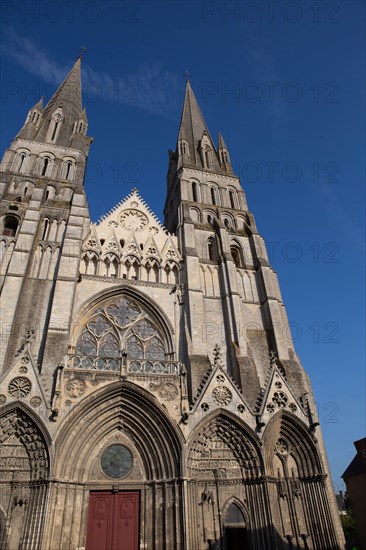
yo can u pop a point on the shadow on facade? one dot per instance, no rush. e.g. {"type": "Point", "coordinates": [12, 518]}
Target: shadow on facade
{"type": "Point", "coordinates": [268, 538]}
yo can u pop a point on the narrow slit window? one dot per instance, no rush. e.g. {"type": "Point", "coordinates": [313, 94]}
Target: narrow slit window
{"type": "Point", "coordinates": [232, 202]}
{"type": "Point", "coordinates": [54, 130]}
{"type": "Point", "coordinates": [44, 166]}
{"type": "Point", "coordinates": [236, 255]}
{"type": "Point", "coordinates": [213, 196]}
{"type": "Point", "coordinates": [45, 229]}
{"type": "Point", "coordinates": [211, 250]}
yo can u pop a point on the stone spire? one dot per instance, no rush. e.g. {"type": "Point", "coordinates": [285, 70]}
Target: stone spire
{"type": "Point", "coordinates": [194, 140]}
{"type": "Point", "coordinates": [224, 156]}
{"type": "Point", "coordinates": [33, 121]}
{"type": "Point", "coordinates": [38, 106]}
{"type": "Point", "coordinates": [222, 144]}
{"type": "Point", "coordinates": [63, 110]}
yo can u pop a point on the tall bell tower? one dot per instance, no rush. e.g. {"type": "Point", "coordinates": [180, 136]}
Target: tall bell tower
{"type": "Point", "coordinates": [232, 292]}
{"type": "Point", "coordinates": [234, 324]}
{"type": "Point", "coordinates": [44, 216]}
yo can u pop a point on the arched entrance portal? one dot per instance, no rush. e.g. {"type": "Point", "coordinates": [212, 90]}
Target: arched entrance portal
{"type": "Point", "coordinates": [123, 454]}
{"type": "Point", "coordinates": [24, 466]}
{"type": "Point", "coordinates": [224, 457]}
{"type": "Point", "coordinates": [235, 529]}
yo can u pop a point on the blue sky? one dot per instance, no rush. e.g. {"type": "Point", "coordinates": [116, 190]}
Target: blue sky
{"type": "Point", "coordinates": [284, 82]}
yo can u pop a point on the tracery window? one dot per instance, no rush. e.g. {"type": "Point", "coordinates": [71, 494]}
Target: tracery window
{"type": "Point", "coordinates": [121, 325]}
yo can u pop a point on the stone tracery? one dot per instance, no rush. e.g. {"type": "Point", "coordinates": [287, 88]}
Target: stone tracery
{"type": "Point", "coordinates": [121, 325]}
{"type": "Point", "coordinates": [145, 252]}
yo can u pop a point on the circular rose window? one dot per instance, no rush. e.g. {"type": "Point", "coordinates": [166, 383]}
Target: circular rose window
{"type": "Point", "coordinates": [116, 461]}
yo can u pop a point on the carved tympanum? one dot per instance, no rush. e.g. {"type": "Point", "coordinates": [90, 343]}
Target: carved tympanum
{"type": "Point", "coordinates": [221, 446]}
{"type": "Point", "coordinates": [24, 455]}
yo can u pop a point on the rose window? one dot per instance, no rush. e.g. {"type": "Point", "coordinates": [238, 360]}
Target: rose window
{"type": "Point", "coordinates": [222, 395]}
{"type": "Point", "coordinates": [19, 387]}
{"type": "Point", "coordinates": [133, 220]}
{"type": "Point", "coordinates": [280, 399]}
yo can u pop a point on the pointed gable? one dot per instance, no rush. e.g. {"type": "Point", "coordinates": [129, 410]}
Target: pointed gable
{"type": "Point", "coordinates": [278, 396]}
{"type": "Point", "coordinates": [22, 380]}
{"type": "Point", "coordinates": [130, 230]}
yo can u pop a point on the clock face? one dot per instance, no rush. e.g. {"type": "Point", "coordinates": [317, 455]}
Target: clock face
{"type": "Point", "coordinates": [133, 220]}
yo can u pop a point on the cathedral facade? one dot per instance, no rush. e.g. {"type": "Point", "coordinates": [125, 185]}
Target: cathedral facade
{"type": "Point", "coordinates": [151, 397]}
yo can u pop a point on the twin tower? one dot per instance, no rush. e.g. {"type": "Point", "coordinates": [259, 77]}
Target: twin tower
{"type": "Point", "coordinates": [151, 397]}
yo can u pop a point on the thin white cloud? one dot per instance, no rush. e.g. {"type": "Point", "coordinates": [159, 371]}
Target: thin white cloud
{"type": "Point", "coordinates": [151, 87]}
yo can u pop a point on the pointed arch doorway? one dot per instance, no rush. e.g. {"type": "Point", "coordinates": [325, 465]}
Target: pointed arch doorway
{"type": "Point", "coordinates": [235, 529]}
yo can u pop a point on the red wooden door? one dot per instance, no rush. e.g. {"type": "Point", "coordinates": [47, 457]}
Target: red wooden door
{"type": "Point", "coordinates": [113, 521]}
